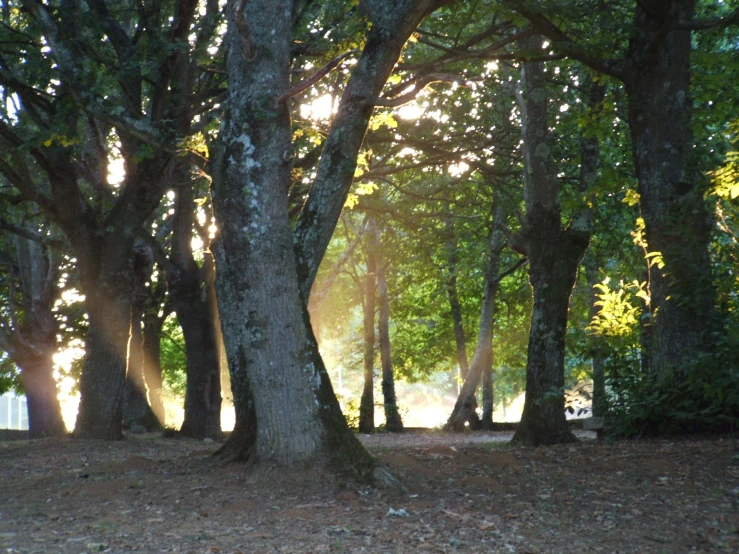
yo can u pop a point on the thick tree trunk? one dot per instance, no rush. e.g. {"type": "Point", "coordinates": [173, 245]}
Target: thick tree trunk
{"type": "Point", "coordinates": [392, 25]}
{"type": "Point", "coordinates": [393, 421]}
{"type": "Point", "coordinates": [33, 345]}
{"type": "Point", "coordinates": [44, 411]}
{"type": "Point", "coordinates": [367, 403]}
{"type": "Point", "coordinates": [137, 414]}
{"type": "Point", "coordinates": [203, 393]}
{"type": "Point", "coordinates": [677, 220]}
{"type": "Point", "coordinates": [482, 362]}
{"type": "Point", "coordinates": [104, 372]}
{"type": "Point", "coordinates": [554, 255]}
{"type": "Point", "coordinates": [265, 322]}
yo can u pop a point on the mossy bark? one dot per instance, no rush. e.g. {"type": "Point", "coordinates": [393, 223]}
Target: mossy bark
{"type": "Point", "coordinates": [554, 254]}
{"type": "Point", "coordinates": [672, 188]}
{"type": "Point", "coordinates": [273, 356]}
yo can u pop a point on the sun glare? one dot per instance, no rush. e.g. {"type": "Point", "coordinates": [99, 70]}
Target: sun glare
{"type": "Point", "coordinates": [320, 108]}
{"type": "Point", "coordinates": [116, 172]}
{"type": "Point", "coordinates": [410, 111]}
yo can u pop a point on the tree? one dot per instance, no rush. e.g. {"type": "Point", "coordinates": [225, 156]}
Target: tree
{"type": "Point", "coordinates": [482, 361]}
{"type": "Point", "coordinates": [554, 254]}
{"type": "Point", "coordinates": [656, 73]}
{"type": "Point", "coordinates": [29, 335]}
{"type": "Point", "coordinates": [113, 76]}
{"type": "Point", "coordinates": [393, 421]}
{"type": "Point", "coordinates": [261, 286]}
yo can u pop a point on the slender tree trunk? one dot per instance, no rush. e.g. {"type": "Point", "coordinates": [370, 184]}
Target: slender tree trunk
{"type": "Point", "coordinates": [392, 25]}
{"type": "Point", "coordinates": [482, 362]}
{"type": "Point", "coordinates": [44, 411]}
{"type": "Point", "coordinates": [152, 337]}
{"type": "Point", "coordinates": [367, 403]}
{"type": "Point", "coordinates": [393, 421]}
{"type": "Point", "coordinates": [600, 405]}
{"type": "Point", "coordinates": [488, 404]}
{"type": "Point", "coordinates": [265, 321]}
{"type": "Point", "coordinates": [451, 289]}
{"type": "Point", "coordinates": [677, 220]}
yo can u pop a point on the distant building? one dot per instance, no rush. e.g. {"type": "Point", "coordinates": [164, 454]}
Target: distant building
{"type": "Point", "coordinates": [13, 412]}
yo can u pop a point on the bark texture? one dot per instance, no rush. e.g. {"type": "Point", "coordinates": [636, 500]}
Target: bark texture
{"type": "Point", "coordinates": [192, 293]}
{"type": "Point", "coordinates": [265, 322]}
{"type": "Point", "coordinates": [677, 221]}
{"type": "Point", "coordinates": [554, 254]}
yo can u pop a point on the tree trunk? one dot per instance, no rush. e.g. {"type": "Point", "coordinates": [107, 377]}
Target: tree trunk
{"type": "Point", "coordinates": [152, 336]}
{"type": "Point", "coordinates": [137, 414]}
{"type": "Point", "coordinates": [486, 421]}
{"type": "Point", "coordinates": [482, 362]}
{"type": "Point", "coordinates": [451, 289]}
{"type": "Point", "coordinates": [265, 322]}
{"type": "Point", "coordinates": [392, 25]}
{"type": "Point", "coordinates": [554, 255]}
{"type": "Point", "coordinates": [393, 421]}
{"type": "Point", "coordinates": [600, 403]}
{"type": "Point", "coordinates": [33, 344]}
{"type": "Point", "coordinates": [106, 273]}
{"type": "Point", "coordinates": [103, 378]}
{"type": "Point", "coordinates": [367, 403]}
{"type": "Point", "coordinates": [192, 299]}
{"type": "Point", "coordinates": [203, 393]}
{"type": "Point", "coordinates": [44, 411]}
{"type": "Point", "coordinates": [677, 221]}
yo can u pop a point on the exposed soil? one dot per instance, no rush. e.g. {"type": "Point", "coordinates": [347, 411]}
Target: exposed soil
{"type": "Point", "coordinates": [465, 493]}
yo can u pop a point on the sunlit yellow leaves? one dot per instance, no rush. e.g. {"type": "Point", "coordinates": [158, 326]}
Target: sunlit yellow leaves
{"type": "Point", "coordinates": [61, 140]}
{"type": "Point", "coordinates": [618, 316]}
{"type": "Point", "coordinates": [382, 119]}
{"type": "Point", "coordinates": [726, 178]}
{"type": "Point", "coordinates": [362, 189]}
{"type": "Point", "coordinates": [195, 143]}
{"type": "Point", "coordinates": [631, 197]}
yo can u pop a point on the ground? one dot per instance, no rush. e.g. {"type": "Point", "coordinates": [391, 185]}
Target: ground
{"type": "Point", "coordinates": [462, 493]}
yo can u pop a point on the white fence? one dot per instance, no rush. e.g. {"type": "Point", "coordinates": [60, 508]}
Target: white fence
{"type": "Point", "coordinates": [13, 412]}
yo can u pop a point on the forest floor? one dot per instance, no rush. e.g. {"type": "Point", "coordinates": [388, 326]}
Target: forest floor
{"type": "Point", "coordinates": [463, 493]}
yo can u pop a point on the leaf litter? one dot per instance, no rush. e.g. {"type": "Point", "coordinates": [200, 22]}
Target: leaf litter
{"type": "Point", "coordinates": [463, 493]}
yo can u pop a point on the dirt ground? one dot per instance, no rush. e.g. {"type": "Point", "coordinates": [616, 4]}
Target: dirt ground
{"type": "Point", "coordinates": [463, 493]}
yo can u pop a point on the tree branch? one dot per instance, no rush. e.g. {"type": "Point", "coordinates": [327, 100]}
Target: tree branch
{"type": "Point", "coordinates": [313, 79]}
